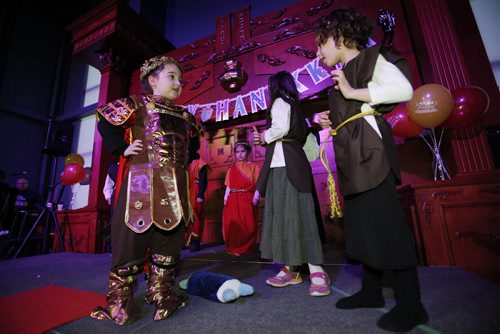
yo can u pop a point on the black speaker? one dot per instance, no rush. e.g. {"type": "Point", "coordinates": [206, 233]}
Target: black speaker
{"type": "Point", "coordinates": [59, 138]}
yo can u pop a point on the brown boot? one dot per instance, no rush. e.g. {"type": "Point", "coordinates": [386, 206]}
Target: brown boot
{"type": "Point", "coordinates": [160, 283]}
{"type": "Point", "coordinates": [121, 306]}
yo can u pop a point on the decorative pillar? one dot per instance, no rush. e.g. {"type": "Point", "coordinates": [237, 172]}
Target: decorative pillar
{"type": "Point", "coordinates": [441, 56]}
{"type": "Point", "coordinates": [113, 85]}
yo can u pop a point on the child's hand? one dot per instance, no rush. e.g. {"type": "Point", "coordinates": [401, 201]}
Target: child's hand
{"type": "Point", "coordinates": [199, 200]}
{"type": "Point", "coordinates": [225, 201]}
{"type": "Point", "coordinates": [324, 119]}
{"type": "Point", "coordinates": [256, 198]}
{"type": "Point", "coordinates": [341, 83]}
{"type": "Point", "coordinates": [134, 148]}
{"type": "Point", "coordinates": [258, 138]}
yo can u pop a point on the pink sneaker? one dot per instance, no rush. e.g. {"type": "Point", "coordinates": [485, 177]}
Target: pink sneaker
{"type": "Point", "coordinates": [290, 277]}
{"type": "Point", "coordinates": [320, 289]}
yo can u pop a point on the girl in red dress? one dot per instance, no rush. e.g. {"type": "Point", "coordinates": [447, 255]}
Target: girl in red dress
{"type": "Point", "coordinates": [239, 218]}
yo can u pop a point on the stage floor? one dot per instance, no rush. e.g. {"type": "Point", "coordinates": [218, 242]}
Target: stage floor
{"type": "Point", "coordinates": [457, 301]}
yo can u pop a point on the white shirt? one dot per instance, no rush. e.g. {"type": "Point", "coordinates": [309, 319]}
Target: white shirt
{"type": "Point", "coordinates": [388, 85]}
{"type": "Point", "coordinates": [280, 125]}
{"type": "Point", "coordinates": [109, 187]}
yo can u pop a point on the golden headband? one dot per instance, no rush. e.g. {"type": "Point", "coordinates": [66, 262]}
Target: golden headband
{"type": "Point", "coordinates": [244, 144]}
{"type": "Point", "coordinates": [152, 64]}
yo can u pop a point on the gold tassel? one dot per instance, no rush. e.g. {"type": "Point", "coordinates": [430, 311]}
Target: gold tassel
{"type": "Point", "coordinates": [335, 208]}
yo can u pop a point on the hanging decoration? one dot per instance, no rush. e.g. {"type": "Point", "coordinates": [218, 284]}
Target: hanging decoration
{"type": "Point", "coordinates": [234, 77]}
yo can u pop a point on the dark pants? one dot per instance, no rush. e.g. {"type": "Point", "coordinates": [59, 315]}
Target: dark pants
{"type": "Point", "coordinates": [129, 248]}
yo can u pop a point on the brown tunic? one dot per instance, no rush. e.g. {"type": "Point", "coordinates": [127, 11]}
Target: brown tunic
{"type": "Point", "coordinates": [363, 158]}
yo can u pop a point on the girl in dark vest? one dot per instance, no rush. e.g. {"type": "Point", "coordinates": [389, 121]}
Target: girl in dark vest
{"type": "Point", "coordinates": [290, 231]}
{"type": "Point", "coordinates": [375, 228]}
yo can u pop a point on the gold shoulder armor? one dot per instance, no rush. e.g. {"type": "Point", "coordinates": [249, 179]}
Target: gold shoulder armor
{"type": "Point", "coordinates": [119, 111]}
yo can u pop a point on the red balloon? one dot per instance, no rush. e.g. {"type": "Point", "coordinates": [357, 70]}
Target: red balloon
{"type": "Point", "coordinates": [470, 104]}
{"type": "Point", "coordinates": [401, 124]}
{"type": "Point", "coordinates": [72, 174]}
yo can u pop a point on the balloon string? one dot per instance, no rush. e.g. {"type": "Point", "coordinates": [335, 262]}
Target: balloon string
{"type": "Point", "coordinates": [433, 137]}
{"type": "Point", "coordinates": [439, 166]}
{"type": "Point", "coordinates": [441, 137]}
{"type": "Point", "coordinates": [427, 142]}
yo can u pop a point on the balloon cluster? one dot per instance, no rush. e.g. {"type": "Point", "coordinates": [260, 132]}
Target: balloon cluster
{"type": "Point", "coordinates": [74, 172]}
{"type": "Point", "coordinates": [433, 105]}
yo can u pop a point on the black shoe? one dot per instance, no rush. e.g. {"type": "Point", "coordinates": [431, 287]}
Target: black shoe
{"type": "Point", "coordinates": [403, 318]}
{"type": "Point", "coordinates": [360, 300]}
{"type": "Point", "coordinates": [194, 246]}
{"type": "Point", "coordinates": [409, 311]}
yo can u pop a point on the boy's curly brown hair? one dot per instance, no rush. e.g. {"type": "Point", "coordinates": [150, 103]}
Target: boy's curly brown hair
{"type": "Point", "coordinates": [344, 24]}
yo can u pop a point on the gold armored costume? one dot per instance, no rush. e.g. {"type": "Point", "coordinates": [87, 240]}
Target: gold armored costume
{"type": "Point", "coordinates": [157, 186]}
{"type": "Point", "coordinates": [152, 196]}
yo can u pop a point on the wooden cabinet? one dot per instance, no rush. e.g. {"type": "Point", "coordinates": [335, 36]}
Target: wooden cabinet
{"type": "Point", "coordinates": [457, 222]}
{"type": "Point", "coordinates": [81, 230]}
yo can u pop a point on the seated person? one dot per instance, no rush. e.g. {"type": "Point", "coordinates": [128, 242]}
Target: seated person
{"type": "Point", "coordinates": [25, 202]}
{"type": "Point", "coordinates": [25, 198]}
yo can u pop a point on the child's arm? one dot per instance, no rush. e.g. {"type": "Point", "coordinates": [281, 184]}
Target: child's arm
{"type": "Point", "coordinates": [112, 137]}
{"type": "Point", "coordinates": [341, 83]}
{"type": "Point", "coordinates": [226, 195]}
{"type": "Point", "coordinates": [202, 185]}
{"type": "Point", "coordinates": [388, 85]}
{"type": "Point", "coordinates": [280, 113]}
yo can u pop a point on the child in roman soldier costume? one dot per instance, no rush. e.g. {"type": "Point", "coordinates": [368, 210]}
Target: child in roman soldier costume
{"type": "Point", "coordinates": [152, 135]}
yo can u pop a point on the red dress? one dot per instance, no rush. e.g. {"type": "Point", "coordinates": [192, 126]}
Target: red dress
{"type": "Point", "coordinates": [239, 218]}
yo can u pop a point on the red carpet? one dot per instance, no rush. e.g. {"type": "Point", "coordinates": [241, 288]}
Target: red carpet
{"type": "Point", "coordinates": [42, 309]}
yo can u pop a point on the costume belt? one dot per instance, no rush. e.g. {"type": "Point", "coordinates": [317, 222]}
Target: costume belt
{"type": "Point", "coordinates": [240, 191]}
{"type": "Point", "coordinates": [286, 140]}
{"type": "Point", "coordinates": [335, 209]}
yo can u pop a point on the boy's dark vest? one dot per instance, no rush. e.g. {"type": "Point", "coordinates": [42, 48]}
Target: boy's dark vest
{"type": "Point", "coordinates": [363, 158]}
{"type": "Point", "coordinates": [298, 169]}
